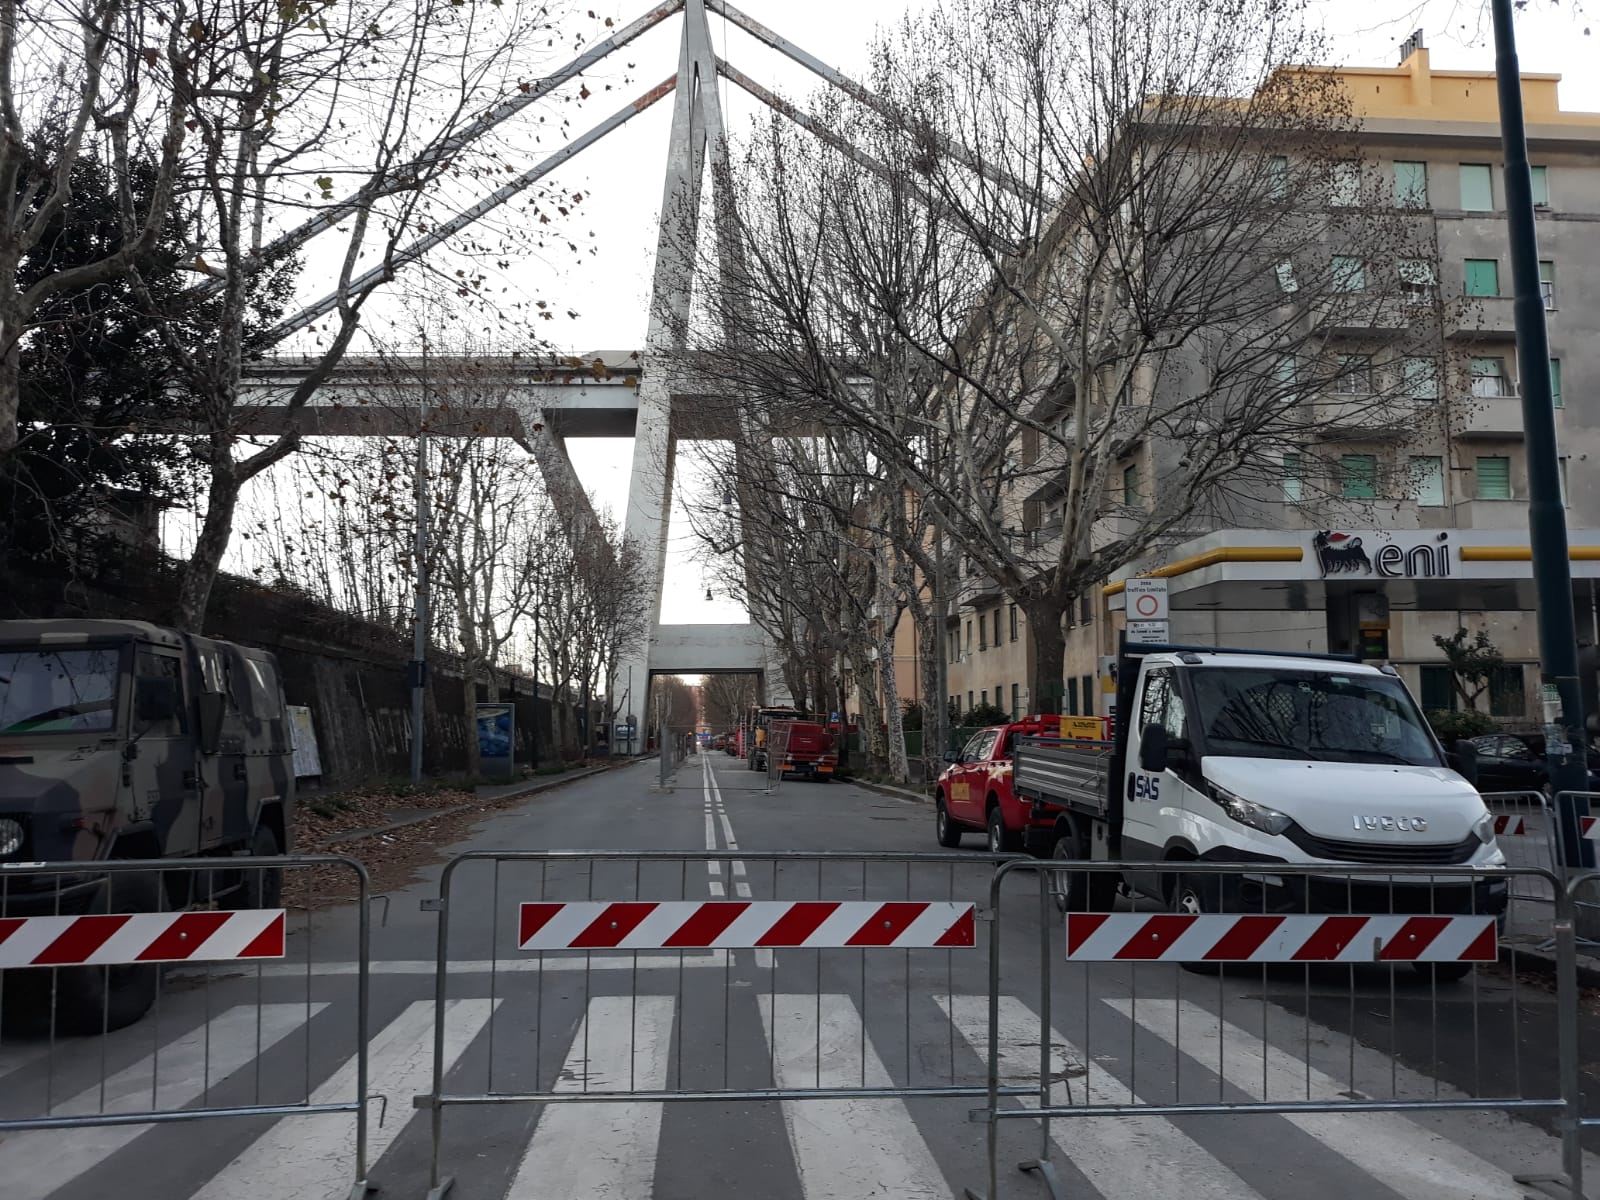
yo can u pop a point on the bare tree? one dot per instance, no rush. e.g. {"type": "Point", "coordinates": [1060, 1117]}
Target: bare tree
{"type": "Point", "coordinates": [283, 105]}
{"type": "Point", "coordinates": [1119, 271]}
{"type": "Point", "coordinates": [727, 699]}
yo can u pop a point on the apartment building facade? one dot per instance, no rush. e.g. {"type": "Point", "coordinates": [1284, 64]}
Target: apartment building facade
{"type": "Point", "coordinates": [1413, 528]}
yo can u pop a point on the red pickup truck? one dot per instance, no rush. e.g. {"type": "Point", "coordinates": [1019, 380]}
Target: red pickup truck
{"type": "Point", "coordinates": [974, 792]}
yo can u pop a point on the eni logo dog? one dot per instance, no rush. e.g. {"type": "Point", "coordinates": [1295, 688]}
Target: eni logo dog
{"type": "Point", "coordinates": [1344, 554]}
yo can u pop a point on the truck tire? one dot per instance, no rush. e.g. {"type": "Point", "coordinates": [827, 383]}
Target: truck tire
{"type": "Point", "coordinates": [1081, 891]}
{"type": "Point", "coordinates": [92, 999]}
{"type": "Point", "coordinates": [1001, 839]}
{"type": "Point", "coordinates": [947, 831]}
{"type": "Point", "coordinates": [1194, 896]}
{"type": "Point", "coordinates": [261, 887]}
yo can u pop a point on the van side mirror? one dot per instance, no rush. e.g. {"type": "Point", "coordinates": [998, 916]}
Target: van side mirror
{"type": "Point", "coordinates": [211, 706]}
{"type": "Point", "coordinates": [952, 756]}
{"type": "Point", "coordinates": [1153, 744]}
{"type": "Point", "coordinates": [155, 700]}
{"type": "Point", "coordinates": [1466, 761]}
{"type": "Point", "coordinates": [1159, 750]}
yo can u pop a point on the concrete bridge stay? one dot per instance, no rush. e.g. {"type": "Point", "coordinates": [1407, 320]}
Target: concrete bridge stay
{"type": "Point", "coordinates": [542, 402]}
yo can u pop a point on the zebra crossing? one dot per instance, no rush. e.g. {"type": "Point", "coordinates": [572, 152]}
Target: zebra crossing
{"type": "Point", "coordinates": [837, 1148]}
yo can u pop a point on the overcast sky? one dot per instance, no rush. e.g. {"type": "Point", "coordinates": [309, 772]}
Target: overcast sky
{"type": "Point", "coordinates": [622, 176]}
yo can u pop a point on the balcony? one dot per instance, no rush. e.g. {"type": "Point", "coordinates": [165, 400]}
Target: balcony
{"type": "Point", "coordinates": [1355, 315]}
{"type": "Point", "coordinates": [1490, 417]}
{"type": "Point", "coordinates": [1481, 318]}
{"type": "Point", "coordinates": [1351, 417]}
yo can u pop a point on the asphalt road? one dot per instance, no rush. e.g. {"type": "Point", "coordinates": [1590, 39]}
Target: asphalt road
{"type": "Point", "coordinates": [707, 1022]}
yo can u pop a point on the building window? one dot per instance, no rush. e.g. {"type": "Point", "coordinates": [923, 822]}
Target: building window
{"type": "Point", "coordinates": [1438, 688]}
{"type": "Point", "coordinates": [1016, 698]}
{"type": "Point", "coordinates": [1483, 277]}
{"type": "Point", "coordinates": [969, 636]}
{"type": "Point", "coordinates": [970, 705]}
{"type": "Point", "coordinates": [1489, 377]}
{"type": "Point", "coordinates": [1013, 622]}
{"type": "Point", "coordinates": [1130, 485]}
{"type": "Point", "coordinates": [1547, 282]}
{"type": "Point", "coordinates": [995, 624]}
{"type": "Point", "coordinates": [1555, 382]}
{"type": "Point", "coordinates": [1085, 609]}
{"type": "Point", "coordinates": [1287, 370]}
{"type": "Point", "coordinates": [1561, 465]}
{"type": "Point", "coordinates": [983, 697]}
{"type": "Point", "coordinates": [983, 631]}
{"type": "Point", "coordinates": [1420, 378]}
{"type": "Point", "coordinates": [1411, 184]}
{"type": "Point", "coordinates": [1355, 375]}
{"type": "Point", "coordinates": [1541, 186]}
{"type": "Point", "coordinates": [1344, 190]}
{"type": "Point", "coordinates": [1358, 477]}
{"type": "Point", "coordinates": [1349, 274]}
{"type": "Point", "coordinates": [1293, 489]}
{"type": "Point", "coordinates": [1477, 187]}
{"type": "Point", "coordinates": [1494, 477]}
{"type": "Point", "coordinates": [1088, 696]}
{"type": "Point", "coordinates": [1286, 280]}
{"type": "Point", "coordinates": [1416, 279]}
{"type": "Point", "coordinates": [1427, 479]}
{"type": "Point", "coordinates": [1072, 697]}
{"type": "Point", "coordinates": [1278, 178]}
{"type": "Point", "coordinates": [1506, 695]}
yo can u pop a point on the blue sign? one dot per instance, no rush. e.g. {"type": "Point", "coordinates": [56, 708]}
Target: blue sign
{"type": "Point", "coordinates": [494, 722]}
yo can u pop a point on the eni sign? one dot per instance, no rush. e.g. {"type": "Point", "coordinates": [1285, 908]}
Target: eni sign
{"type": "Point", "coordinates": [1348, 554]}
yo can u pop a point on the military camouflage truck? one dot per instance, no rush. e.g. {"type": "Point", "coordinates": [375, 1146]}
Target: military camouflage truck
{"type": "Point", "coordinates": [122, 740]}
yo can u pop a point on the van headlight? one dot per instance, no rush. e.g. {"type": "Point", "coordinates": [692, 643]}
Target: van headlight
{"type": "Point", "coordinates": [1248, 812]}
{"type": "Point", "coordinates": [1485, 828]}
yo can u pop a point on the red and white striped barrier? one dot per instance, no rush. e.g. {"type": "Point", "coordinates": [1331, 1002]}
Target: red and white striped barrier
{"type": "Point", "coordinates": [1589, 827]}
{"type": "Point", "coordinates": [744, 924]}
{"type": "Point", "coordinates": [1508, 825]}
{"type": "Point", "coordinates": [116, 939]}
{"type": "Point", "coordinates": [1172, 937]}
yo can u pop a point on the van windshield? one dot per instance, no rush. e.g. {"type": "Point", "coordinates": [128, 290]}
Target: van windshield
{"type": "Point", "coordinates": [1323, 716]}
{"type": "Point", "coordinates": [58, 691]}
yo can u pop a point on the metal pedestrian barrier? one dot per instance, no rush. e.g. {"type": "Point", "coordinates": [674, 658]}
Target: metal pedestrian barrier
{"type": "Point", "coordinates": [1388, 958]}
{"type": "Point", "coordinates": [618, 977]}
{"type": "Point", "coordinates": [207, 973]}
{"type": "Point", "coordinates": [1525, 830]}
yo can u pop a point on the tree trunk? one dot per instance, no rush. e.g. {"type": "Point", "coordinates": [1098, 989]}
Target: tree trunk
{"type": "Point", "coordinates": [469, 705]}
{"type": "Point", "coordinates": [899, 766]}
{"type": "Point", "coordinates": [10, 383]}
{"type": "Point", "coordinates": [1047, 672]}
{"type": "Point", "coordinates": [200, 572]}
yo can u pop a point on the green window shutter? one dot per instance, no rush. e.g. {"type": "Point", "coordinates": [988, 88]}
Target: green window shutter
{"type": "Point", "coordinates": [1278, 178]}
{"type": "Point", "coordinates": [1293, 490]}
{"type": "Point", "coordinates": [1349, 274]}
{"type": "Point", "coordinates": [1494, 477]}
{"type": "Point", "coordinates": [1130, 486]}
{"type": "Point", "coordinates": [1555, 382]}
{"type": "Point", "coordinates": [1072, 697]}
{"type": "Point", "coordinates": [1421, 378]}
{"type": "Point", "coordinates": [1088, 696]}
{"type": "Point", "coordinates": [1541, 186]}
{"type": "Point", "coordinates": [1483, 277]}
{"type": "Point", "coordinates": [1358, 477]}
{"type": "Point", "coordinates": [1411, 185]}
{"type": "Point", "coordinates": [1477, 188]}
{"type": "Point", "coordinates": [1427, 479]}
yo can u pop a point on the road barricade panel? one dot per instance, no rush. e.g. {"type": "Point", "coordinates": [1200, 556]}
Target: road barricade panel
{"type": "Point", "coordinates": [207, 986]}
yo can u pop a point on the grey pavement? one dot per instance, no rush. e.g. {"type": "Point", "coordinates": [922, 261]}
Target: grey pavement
{"type": "Point", "coordinates": [706, 1021]}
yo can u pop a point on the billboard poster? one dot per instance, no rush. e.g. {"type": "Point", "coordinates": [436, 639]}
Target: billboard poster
{"type": "Point", "coordinates": [303, 739]}
{"type": "Point", "coordinates": [495, 728]}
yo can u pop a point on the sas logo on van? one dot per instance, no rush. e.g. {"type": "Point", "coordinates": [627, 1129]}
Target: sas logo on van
{"type": "Point", "coordinates": [1373, 824]}
{"type": "Point", "coordinates": [1350, 554]}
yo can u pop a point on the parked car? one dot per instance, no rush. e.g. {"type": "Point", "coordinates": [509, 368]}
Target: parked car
{"type": "Point", "coordinates": [1509, 762]}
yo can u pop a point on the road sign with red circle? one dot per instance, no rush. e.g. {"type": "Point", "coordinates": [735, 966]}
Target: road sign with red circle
{"type": "Point", "coordinates": [1147, 599]}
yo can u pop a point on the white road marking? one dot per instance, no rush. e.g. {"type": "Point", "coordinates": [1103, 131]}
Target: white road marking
{"type": "Point", "coordinates": [607, 1149]}
{"type": "Point", "coordinates": [845, 1149]}
{"type": "Point", "coordinates": [1412, 1160]}
{"type": "Point", "coordinates": [1120, 1156]}
{"type": "Point", "coordinates": [314, 1156]}
{"type": "Point", "coordinates": [727, 829]}
{"type": "Point", "coordinates": [36, 1164]}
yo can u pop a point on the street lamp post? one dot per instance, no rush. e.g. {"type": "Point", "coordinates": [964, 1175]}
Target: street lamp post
{"type": "Point", "coordinates": [1561, 698]}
